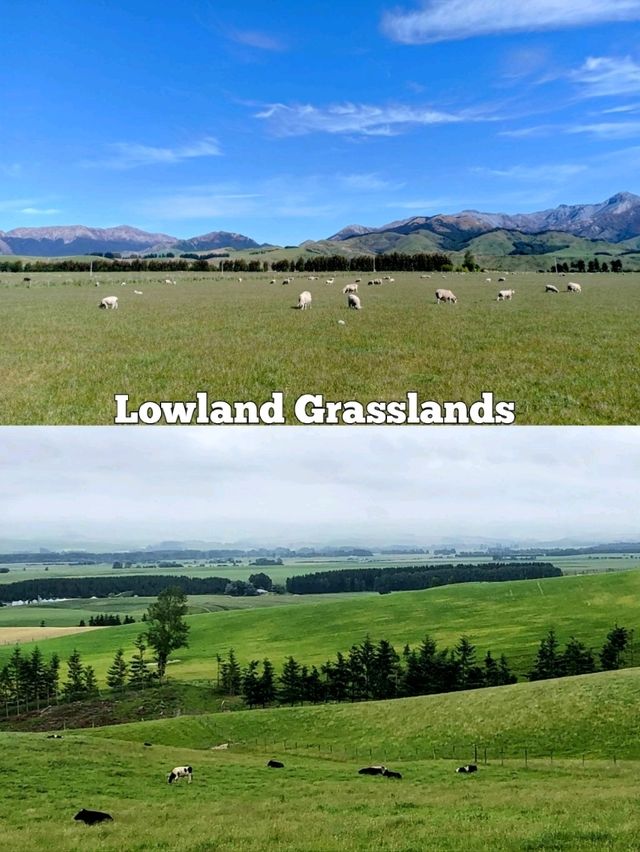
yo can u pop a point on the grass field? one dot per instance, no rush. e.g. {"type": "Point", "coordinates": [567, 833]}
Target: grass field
{"type": "Point", "coordinates": [19, 635]}
{"type": "Point", "coordinates": [197, 568]}
{"type": "Point", "coordinates": [585, 800]}
{"type": "Point", "coordinates": [562, 359]}
{"type": "Point", "coordinates": [508, 618]}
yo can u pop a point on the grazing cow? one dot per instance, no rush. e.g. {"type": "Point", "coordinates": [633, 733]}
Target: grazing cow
{"type": "Point", "coordinates": [572, 287]}
{"type": "Point", "coordinates": [389, 773]}
{"type": "Point", "coordinates": [353, 301]}
{"type": "Point", "coordinates": [147, 745]}
{"type": "Point", "coordinates": [350, 288]}
{"type": "Point", "coordinates": [180, 772]}
{"type": "Point", "coordinates": [304, 300]}
{"type": "Point", "coordinates": [92, 817]}
{"type": "Point", "coordinates": [465, 770]}
{"type": "Point", "coordinates": [275, 764]}
{"type": "Point", "coordinates": [550, 288]}
{"type": "Point", "coordinates": [445, 296]}
{"type": "Point", "coordinates": [503, 295]}
{"type": "Point", "coordinates": [109, 302]}
{"type": "Point", "coordinates": [54, 736]}
{"type": "Point", "coordinates": [372, 770]}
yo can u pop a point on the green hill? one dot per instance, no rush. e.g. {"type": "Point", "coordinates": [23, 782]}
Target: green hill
{"type": "Point", "coordinates": [508, 618]}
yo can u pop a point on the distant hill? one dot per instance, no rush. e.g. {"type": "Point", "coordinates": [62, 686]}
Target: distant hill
{"type": "Point", "coordinates": [611, 226]}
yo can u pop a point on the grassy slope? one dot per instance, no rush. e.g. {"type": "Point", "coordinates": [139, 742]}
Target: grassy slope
{"type": "Point", "coordinates": [595, 715]}
{"type": "Point", "coordinates": [563, 359]}
{"type": "Point", "coordinates": [508, 618]}
{"type": "Point", "coordinates": [314, 804]}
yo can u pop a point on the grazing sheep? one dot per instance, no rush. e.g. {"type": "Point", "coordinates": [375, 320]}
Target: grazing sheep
{"type": "Point", "coordinates": [503, 295]}
{"type": "Point", "coordinates": [313, 278]}
{"type": "Point", "coordinates": [500, 280]}
{"type": "Point", "coordinates": [445, 296]}
{"type": "Point", "coordinates": [168, 281]}
{"type": "Point", "coordinates": [350, 288]}
{"type": "Point", "coordinates": [488, 280]}
{"type": "Point", "coordinates": [97, 283]}
{"type": "Point", "coordinates": [358, 280]}
{"type": "Point", "coordinates": [304, 300]}
{"type": "Point", "coordinates": [285, 281]}
{"type": "Point", "coordinates": [330, 280]}
{"type": "Point", "coordinates": [180, 772]}
{"type": "Point", "coordinates": [550, 288]}
{"type": "Point", "coordinates": [273, 281]}
{"type": "Point", "coordinates": [108, 302]}
{"type": "Point", "coordinates": [572, 287]}
{"type": "Point", "coordinates": [138, 292]}
{"type": "Point", "coordinates": [353, 301]}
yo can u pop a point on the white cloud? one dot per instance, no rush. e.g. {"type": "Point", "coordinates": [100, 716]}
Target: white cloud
{"type": "Point", "coordinates": [130, 155]}
{"type": "Point", "coordinates": [37, 211]}
{"type": "Point", "coordinates": [442, 20]}
{"type": "Point", "coordinates": [358, 119]}
{"type": "Point", "coordinates": [602, 76]}
{"type": "Point", "coordinates": [553, 171]}
{"type": "Point", "coordinates": [608, 130]}
{"type": "Point", "coordinates": [257, 39]}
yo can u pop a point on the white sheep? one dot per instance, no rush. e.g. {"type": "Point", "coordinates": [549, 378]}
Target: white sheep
{"type": "Point", "coordinates": [304, 300]}
{"type": "Point", "coordinates": [108, 302]}
{"type": "Point", "coordinates": [353, 301]}
{"type": "Point", "coordinates": [350, 288]}
{"type": "Point", "coordinates": [550, 288]}
{"type": "Point", "coordinates": [572, 287]}
{"type": "Point", "coordinates": [445, 296]}
{"type": "Point", "coordinates": [503, 295]}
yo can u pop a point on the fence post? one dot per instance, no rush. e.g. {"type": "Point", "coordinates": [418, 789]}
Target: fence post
{"type": "Point", "coordinates": [525, 757]}
{"type": "Point", "coordinates": [501, 756]}
{"type": "Point", "coordinates": [475, 752]}
{"type": "Point", "coordinates": [485, 755]}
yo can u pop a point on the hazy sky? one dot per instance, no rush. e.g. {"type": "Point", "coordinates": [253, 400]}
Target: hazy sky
{"type": "Point", "coordinates": [301, 485]}
{"type": "Point", "coordinates": [288, 120]}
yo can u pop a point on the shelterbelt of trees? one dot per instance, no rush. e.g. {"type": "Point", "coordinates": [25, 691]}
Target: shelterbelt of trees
{"type": "Point", "coordinates": [406, 577]}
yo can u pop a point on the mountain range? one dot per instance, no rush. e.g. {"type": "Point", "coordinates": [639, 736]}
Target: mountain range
{"type": "Point", "coordinates": [583, 227]}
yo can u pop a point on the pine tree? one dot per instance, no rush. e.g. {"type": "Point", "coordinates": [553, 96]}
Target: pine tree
{"type": "Point", "coordinates": [75, 686]}
{"type": "Point", "coordinates": [612, 654]}
{"type": "Point", "coordinates": [266, 684]}
{"type": "Point", "coordinates": [314, 687]}
{"type": "Point", "coordinates": [230, 675]}
{"type": "Point", "coordinates": [577, 659]}
{"type": "Point", "coordinates": [386, 671]}
{"type": "Point", "coordinates": [117, 673]}
{"type": "Point", "coordinates": [548, 661]}
{"type": "Point", "coordinates": [90, 682]}
{"type": "Point", "coordinates": [250, 684]}
{"type": "Point", "coordinates": [139, 674]}
{"type": "Point", "coordinates": [290, 684]}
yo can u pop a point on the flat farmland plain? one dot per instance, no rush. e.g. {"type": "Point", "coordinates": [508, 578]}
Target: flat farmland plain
{"type": "Point", "coordinates": [562, 358]}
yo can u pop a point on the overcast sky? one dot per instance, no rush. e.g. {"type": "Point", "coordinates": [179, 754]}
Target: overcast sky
{"type": "Point", "coordinates": [298, 485]}
{"type": "Point", "coordinates": [287, 121]}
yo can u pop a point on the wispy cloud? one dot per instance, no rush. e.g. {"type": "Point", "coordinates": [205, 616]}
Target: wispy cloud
{"type": "Point", "coordinates": [40, 211]}
{"type": "Point", "coordinates": [602, 76]}
{"type": "Point", "coordinates": [369, 182]}
{"type": "Point", "coordinates": [355, 119]}
{"type": "Point", "coordinates": [551, 171]}
{"type": "Point", "coordinates": [11, 170]}
{"type": "Point", "coordinates": [443, 20]}
{"type": "Point", "coordinates": [130, 155]}
{"type": "Point", "coordinates": [608, 129]}
{"type": "Point", "coordinates": [525, 132]}
{"type": "Point", "coordinates": [257, 39]}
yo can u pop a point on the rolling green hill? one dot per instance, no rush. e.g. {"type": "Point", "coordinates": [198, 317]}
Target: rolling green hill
{"type": "Point", "coordinates": [508, 618]}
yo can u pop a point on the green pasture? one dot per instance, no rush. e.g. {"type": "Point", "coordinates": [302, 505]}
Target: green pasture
{"type": "Point", "coordinates": [279, 573]}
{"type": "Point", "coordinates": [583, 796]}
{"type": "Point", "coordinates": [509, 618]}
{"type": "Point", "coordinates": [562, 358]}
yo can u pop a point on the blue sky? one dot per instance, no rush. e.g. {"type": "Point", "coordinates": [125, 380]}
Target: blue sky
{"type": "Point", "coordinates": [287, 121]}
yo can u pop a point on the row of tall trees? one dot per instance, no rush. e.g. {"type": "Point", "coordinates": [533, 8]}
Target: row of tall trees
{"type": "Point", "coordinates": [576, 658]}
{"type": "Point", "coordinates": [369, 671]}
{"type": "Point", "coordinates": [405, 577]}
{"type": "Point", "coordinates": [107, 620]}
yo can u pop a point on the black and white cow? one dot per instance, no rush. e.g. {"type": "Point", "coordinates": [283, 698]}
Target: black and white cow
{"type": "Point", "coordinates": [470, 767]}
{"type": "Point", "coordinates": [180, 772]}
{"type": "Point", "coordinates": [92, 817]}
{"type": "Point", "coordinates": [372, 770]}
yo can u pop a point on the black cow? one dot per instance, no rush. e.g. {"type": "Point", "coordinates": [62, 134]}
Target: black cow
{"type": "Point", "coordinates": [147, 744]}
{"type": "Point", "coordinates": [92, 817]}
{"type": "Point", "coordinates": [389, 773]}
{"type": "Point", "coordinates": [471, 767]}
{"type": "Point", "coordinates": [372, 770]}
{"type": "Point", "coordinates": [275, 764]}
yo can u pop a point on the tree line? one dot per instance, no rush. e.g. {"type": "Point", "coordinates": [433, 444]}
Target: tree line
{"type": "Point", "coordinates": [107, 620]}
{"type": "Point", "coordinates": [406, 577]}
{"type": "Point", "coordinates": [579, 265]}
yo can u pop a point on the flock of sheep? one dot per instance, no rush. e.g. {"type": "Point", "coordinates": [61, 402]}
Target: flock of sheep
{"type": "Point", "coordinates": [351, 292]}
